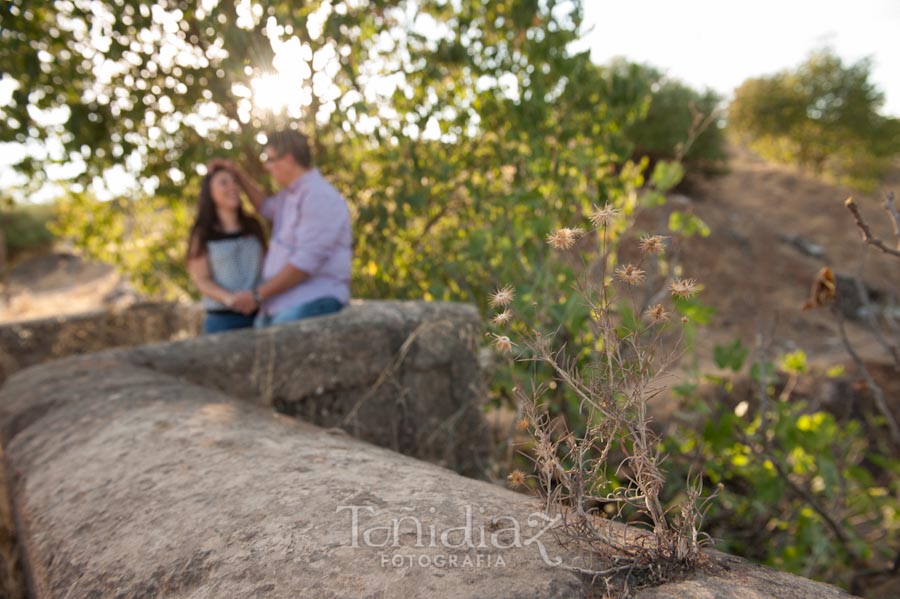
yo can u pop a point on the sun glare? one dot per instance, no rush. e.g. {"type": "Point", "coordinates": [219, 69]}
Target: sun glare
{"type": "Point", "coordinates": [274, 92]}
{"type": "Point", "coordinates": [290, 88]}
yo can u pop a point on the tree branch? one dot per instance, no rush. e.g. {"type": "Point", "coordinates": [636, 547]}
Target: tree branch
{"type": "Point", "coordinates": [866, 232]}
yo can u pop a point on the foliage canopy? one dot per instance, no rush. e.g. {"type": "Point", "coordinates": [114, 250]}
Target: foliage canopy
{"type": "Point", "coordinates": [823, 115]}
{"type": "Point", "coordinates": [446, 125]}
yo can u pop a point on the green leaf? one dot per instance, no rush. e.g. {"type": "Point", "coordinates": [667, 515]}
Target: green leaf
{"type": "Point", "coordinates": [730, 356]}
{"type": "Point", "coordinates": [652, 199]}
{"type": "Point", "coordinates": [687, 224]}
{"type": "Point", "coordinates": [696, 311]}
{"type": "Point", "coordinates": [835, 371]}
{"type": "Point", "coordinates": [666, 175]}
{"type": "Point", "coordinates": [794, 362]}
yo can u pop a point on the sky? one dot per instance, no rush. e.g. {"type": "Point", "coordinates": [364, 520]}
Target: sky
{"type": "Point", "coordinates": [720, 43]}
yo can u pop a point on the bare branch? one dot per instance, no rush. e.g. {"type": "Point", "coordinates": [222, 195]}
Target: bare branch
{"type": "Point", "coordinates": [866, 232]}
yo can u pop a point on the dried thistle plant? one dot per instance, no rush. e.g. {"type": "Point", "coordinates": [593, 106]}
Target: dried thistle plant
{"type": "Point", "coordinates": [613, 463]}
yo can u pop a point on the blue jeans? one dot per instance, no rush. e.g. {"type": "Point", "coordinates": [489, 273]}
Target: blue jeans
{"type": "Point", "coordinates": [317, 307]}
{"type": "Point", "coordinates": [218, 322]}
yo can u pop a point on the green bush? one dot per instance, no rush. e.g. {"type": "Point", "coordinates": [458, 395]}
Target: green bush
{"type": "Point", "coordinates": [672, 113]}
{"type": "Point", "coordinates": [24, 228]}
{"type": "Point", "coordinates": [801, 491]}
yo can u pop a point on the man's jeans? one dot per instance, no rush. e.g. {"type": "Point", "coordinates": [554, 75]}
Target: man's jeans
{"type": "Point", "coordinates": [318, 307]}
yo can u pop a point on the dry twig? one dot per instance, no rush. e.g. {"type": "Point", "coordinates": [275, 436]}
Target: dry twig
{"type": "Point", "coordinates": [866, 232]}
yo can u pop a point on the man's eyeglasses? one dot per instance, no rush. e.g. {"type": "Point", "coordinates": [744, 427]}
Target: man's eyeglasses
{"type": "Point", "coordinates": [267, 158]}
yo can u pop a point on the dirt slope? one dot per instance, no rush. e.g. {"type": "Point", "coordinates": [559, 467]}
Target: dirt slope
{"type": "Point", "coordinates": [756, 280]}
{"type": "Point", "coordinates": [59, 283]}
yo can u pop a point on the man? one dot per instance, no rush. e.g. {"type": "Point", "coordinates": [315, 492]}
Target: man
{"type": "Point", "coordinates": [307, 268]}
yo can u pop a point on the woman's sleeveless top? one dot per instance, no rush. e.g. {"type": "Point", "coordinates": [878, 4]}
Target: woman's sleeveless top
{"type": "Point", "coordinates": [235, 264]}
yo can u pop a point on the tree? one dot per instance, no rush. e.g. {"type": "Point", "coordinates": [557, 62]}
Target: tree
{"type": "Point", "coordinates": [821, 114]}
{"type": "Point", "coordinates": [445, 124]}
{"type": "Point", "coordinates": [670, 123]}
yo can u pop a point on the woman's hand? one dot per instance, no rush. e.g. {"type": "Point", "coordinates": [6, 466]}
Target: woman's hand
{"type": "Point", "coordinates": [228, 300]}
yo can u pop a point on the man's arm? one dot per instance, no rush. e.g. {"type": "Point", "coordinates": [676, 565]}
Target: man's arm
{"type": "Point", "coordinates": [313, 236]}
{"type": "Point", "coordinates": [287, 278]}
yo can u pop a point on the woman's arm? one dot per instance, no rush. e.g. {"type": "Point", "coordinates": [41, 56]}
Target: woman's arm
{"type": "Point", "coordinates": [198, 269]}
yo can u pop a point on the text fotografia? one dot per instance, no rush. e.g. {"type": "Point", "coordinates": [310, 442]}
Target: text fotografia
{"type": "Point", "coordinates": [479, 560]}
{"type": "Point", "coordinates": [496, 534]}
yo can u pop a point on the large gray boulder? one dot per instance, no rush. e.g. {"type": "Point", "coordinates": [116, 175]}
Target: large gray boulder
{"type": "Point", "coordinates": [402, 375]}
{"type": "Point", "coordinates": [130, 483]}
{"type": "Point", "coordinates": [127, 482]}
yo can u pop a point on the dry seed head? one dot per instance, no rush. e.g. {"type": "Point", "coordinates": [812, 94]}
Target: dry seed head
{"type": "Point", "coordinates": [630, 274]}
{"type": "Point", "coordinates": [653, 244]}
{"type": "Point", "coordinates": [602, 217]}
{"type": "Point", "coordinates": [502, 318]}
{"type": "Point", "coordinates": [565, 238]}
{"type": "Point", "coordinates": [523, 424]}
{"type": "Point", "coordinates": [684, 288]}
{"type": "Point", "coordinates": [657, 313]}
{"type": "Point", "coordinates": [503, 297]}
{"type": "Point", "coordinates": [516, 478]}
{"type": "Point", "coordinates": [503, 343]}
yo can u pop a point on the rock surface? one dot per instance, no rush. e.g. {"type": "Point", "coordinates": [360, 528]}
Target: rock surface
{"type": "Point", "coordinates": [26, 343]}
{"type": "Point", "coordinates": [130, 483]}
{"type": "Point", "coordinates": [402, 375]}
{"type": "Point", "coordinates": [162, 471]}
{"type": "Point", "coordinates": [136, 484]}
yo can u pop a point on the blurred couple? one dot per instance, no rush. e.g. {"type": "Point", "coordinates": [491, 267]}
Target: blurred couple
{"type": "Point", "coordinates": [304, 269]}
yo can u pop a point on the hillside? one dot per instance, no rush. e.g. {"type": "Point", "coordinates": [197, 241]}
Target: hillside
{"type": "Point", "coordinates": [755, 266]}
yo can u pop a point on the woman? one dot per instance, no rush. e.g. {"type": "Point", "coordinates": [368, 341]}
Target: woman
{"type": "Point", "coordinates": [225, 251]}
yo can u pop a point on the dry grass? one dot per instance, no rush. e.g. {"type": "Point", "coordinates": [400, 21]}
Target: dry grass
{"type": "Point", "coordinates": [609, 463]}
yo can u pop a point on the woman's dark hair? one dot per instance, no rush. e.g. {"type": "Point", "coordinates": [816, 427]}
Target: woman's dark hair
{"type": "Point", "coordinates": [207, 221]}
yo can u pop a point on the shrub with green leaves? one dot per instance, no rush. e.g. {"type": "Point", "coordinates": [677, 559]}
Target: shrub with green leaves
{"type": "Point", "coordinates": [24, 228]}
{"type": "Point", "coordinates": [802, 490]}
{"type": "Point", "coordinates": [671, 122]}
